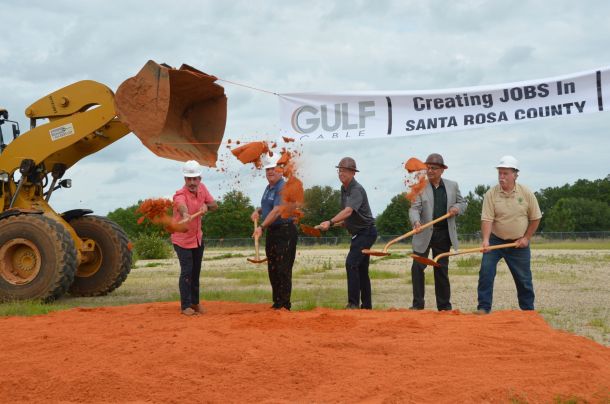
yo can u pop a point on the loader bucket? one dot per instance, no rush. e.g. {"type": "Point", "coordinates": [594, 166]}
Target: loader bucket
{"type": "Point", "coordinates": [178, 114]}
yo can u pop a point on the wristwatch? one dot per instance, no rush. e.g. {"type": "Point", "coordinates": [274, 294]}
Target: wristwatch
{"type": "Point", "coordinates": [331, 222]}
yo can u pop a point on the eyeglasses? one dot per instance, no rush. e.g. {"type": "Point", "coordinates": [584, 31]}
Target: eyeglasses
{"type": "Point", "coordinates": [344, 170]}
{"type": "Point", "coordinates": [433, 168]}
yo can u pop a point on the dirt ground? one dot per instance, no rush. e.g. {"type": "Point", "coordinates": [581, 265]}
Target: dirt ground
{"type": "Point", "coordinates": [249, 353]}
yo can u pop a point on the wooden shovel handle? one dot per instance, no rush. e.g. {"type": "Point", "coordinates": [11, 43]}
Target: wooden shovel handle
{"type": "Point", "coordinates": [256, 241]}
{"type": "Point", "coordinates": [471, 250]}
{"type": "Point", "coordinates": [318, 227]}
{"type": "Point", "coordinates": [412, 232]}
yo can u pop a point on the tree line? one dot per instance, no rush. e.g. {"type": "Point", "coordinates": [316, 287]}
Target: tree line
{"type": "Point", "coordinates": [582, 206]}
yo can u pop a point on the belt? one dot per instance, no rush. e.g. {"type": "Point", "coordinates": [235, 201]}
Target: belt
{"type": "Point", "coordinates": [279, 226]}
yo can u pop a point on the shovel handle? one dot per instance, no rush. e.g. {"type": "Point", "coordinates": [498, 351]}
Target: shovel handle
{"type": "Point", "coordinates": [256, 240]}
{"type": "Point", "coordinates": [471, 250]}
{"type": "Point", "coordinates": [412, 232]}
{"type": "Point", "coordinates": [318, 227]}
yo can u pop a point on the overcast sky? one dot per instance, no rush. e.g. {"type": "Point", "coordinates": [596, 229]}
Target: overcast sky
{"type": "Point", "coordinates": [324, 46]}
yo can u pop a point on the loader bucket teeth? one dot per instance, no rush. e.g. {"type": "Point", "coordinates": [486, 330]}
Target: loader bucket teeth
{"type": "Point", "coordinates": [178, 114]}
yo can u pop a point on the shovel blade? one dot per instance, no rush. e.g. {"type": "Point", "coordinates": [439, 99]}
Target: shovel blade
{"type": "Point", "coordinates": [255, 261]}
{"type": "Point", "coordinates": [375, 253]}
{"type": "Point", "coordinates": [310, 231]}
{"type": "Point", "coordinates": [178, 114]}
{"type": "Point", "coordinates": [425, 260]}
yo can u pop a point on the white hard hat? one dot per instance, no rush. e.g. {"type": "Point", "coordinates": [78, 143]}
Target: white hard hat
{"type": "Point", "coordinates": [191, 169]}
{"type": "Point", "coordinates": [508, 162]}
{"type": "Point", "coordinates": [271, 161]}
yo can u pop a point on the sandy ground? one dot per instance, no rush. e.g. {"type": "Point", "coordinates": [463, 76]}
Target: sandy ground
{"type": "Point", "coordinates": [250, 353]}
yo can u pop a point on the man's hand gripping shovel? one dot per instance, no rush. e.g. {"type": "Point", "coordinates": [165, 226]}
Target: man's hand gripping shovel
{"type": "Point", "coordinates": [257, 259]}
{"type": "Point", "coordinates": [385, 252]}
{"type": "Point", "coordinates": [434, 262]}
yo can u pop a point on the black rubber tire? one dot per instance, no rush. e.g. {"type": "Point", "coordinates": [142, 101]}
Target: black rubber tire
{"type": "Point", "coordinates": [112, 247]}
{"type": "Point", "coordinates": [57, 257]}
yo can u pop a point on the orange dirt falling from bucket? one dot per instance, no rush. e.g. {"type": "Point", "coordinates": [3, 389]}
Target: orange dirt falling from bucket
{"type": "Point", "coordinates": [413, 164]}
{"type": "Point", "coordinates": [156, 212]}
{"type": "Point", "coordinates": [293, 196]}
{"type": "Point", "coordinates": [293, 193]}
{"type": "Point", "coordinates": [287, 139]}
{"type": "Point", "coordinates": [251, 152]}
{"type": "Point", "coordinates": [417, 188]}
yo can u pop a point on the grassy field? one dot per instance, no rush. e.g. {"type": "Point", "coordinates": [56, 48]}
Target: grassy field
{"type": "Point", "coordinates": [571, 279]}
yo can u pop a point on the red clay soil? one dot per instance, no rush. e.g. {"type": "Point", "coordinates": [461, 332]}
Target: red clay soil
{"type": "Point", "coordinates": [250, 353]}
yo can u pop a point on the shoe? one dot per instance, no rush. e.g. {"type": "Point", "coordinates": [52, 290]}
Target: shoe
{"type": "Point", "coordinates": [189, 312]}
{"type": "Point", "coordinates": [276, 306]}
{"type": "Point", "coordinates": [481, 312]}
{"type": "Point", "coordinates": [351, 306]}
{"type": "Point", "coordinates": [198, 308]}
{"type": "Point", "coordinates": [415, 308]}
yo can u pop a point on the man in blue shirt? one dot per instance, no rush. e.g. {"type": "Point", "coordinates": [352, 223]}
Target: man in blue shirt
{"type": "Point", "coordinates": [281, 235]}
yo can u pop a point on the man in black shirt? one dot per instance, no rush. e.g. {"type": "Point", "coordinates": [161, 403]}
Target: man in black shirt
{"type": "Point", "coordinates": [358, 219]}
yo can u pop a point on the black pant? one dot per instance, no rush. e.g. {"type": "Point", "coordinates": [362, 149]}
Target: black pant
{"type": "Point", "coordinates": [357, 267]}
{"type": "Point", "coordinates": [190, 268]}
{"type": "Point", "coordinates": [439, 243]}
{"type": "Point", "coordinates": [281, 249]}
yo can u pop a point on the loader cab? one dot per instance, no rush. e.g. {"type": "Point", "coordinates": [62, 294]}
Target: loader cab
{"type": "Point", "coordinates": [13, 124]}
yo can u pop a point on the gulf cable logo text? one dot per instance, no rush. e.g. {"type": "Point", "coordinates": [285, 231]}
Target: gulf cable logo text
{"type": "Point", "coordinates": [336, 121]}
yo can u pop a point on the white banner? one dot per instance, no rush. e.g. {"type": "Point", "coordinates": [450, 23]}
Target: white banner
{"type": "Point", "coordinates": [375, 114]}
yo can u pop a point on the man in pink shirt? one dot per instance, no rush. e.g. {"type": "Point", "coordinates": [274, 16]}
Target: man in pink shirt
{"type": "Point", "coordinates": [190, 202]}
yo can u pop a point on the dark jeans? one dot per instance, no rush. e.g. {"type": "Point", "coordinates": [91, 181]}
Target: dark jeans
{"type": "Point", "coordinates": [190, 268]}
{"type": "Point", "coordinates": [518, 261]}
{"type": "Point", "coordinates": [357, 266]}
{"type": "Point", "coordinates": [439, 243]}
{"type": "Point", "coordinates": [281, 249]}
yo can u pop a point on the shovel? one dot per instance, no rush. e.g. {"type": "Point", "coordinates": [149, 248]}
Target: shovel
{"type": "Point", "coordinates": [315, 231]}
{"type": "Point", "coordinates": [257, 259]}
{"type": "Point", "coordinates": [385, 252]}
{"type": "Point", "coordinates": [434, 262]}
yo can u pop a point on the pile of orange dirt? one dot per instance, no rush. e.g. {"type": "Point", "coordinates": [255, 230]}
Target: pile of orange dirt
{"type": "Point", "coordinates": [416, 180]}
{"type": "Point", "coordinates": [157, 211]}
{"type": "Point", "coordinates": [249, 353]}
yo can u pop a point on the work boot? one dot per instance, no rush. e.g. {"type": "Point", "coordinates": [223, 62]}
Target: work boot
{"type": "Point", "coordinates": [189, 312]}
{"type": "Point", "coordinates": [198, 308]}
{"type": "Point", "coordinates": [481, 312]}
{"type": "Point", "coordinates": [415, 308]}
{"type": "Point", "coordinates": [351, 306]}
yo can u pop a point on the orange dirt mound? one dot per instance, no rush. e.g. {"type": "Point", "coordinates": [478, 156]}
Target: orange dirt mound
{"type": "Point", "coordinates": [250, 353]}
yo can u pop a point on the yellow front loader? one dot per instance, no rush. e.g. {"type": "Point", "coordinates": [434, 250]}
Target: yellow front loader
{"type": "Point", "coordinates": [176, 113]}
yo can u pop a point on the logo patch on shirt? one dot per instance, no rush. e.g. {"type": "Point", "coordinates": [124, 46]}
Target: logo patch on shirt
{"type": "Point", "coordinates": [520, 200]}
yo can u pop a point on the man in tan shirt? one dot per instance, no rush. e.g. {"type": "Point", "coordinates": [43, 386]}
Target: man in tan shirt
{"type": "Point", "coordinates": [510, 214]}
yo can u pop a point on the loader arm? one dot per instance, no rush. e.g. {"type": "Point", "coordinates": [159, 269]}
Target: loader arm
{"type": "Point", "coordinates": [82, 121]}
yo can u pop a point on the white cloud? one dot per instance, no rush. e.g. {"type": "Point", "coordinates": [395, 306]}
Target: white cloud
{"type": "Point", "coordinates": [315, 46]}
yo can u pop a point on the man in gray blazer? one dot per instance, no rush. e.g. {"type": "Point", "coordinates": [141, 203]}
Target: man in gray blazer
{"type": "Point", "coordinates": [440, 196]}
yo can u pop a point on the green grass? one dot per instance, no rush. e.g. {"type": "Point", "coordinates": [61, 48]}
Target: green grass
{"type": "Point", "coordinates": [29, 308]}
{"type": "Point", "coordinates": [319, 280]}
{"type": "Point", "coordinates": [152, 264]}
{"type": "Point", "coordinates": [570, 245]}
{"type": "Point", "coordinates": [224, 256]}
{"type": "Point", "coordinates": [468, 262]}
{"type": "Point", "coordinates": [601, 324]}
{"type": "Point", "coordinates": [378, 274]}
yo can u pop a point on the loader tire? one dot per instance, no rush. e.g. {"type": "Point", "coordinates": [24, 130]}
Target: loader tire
{"type": "Point", "coordinates": [110, 262]}
{"type": "Point", "coordinates": [37, 258]}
